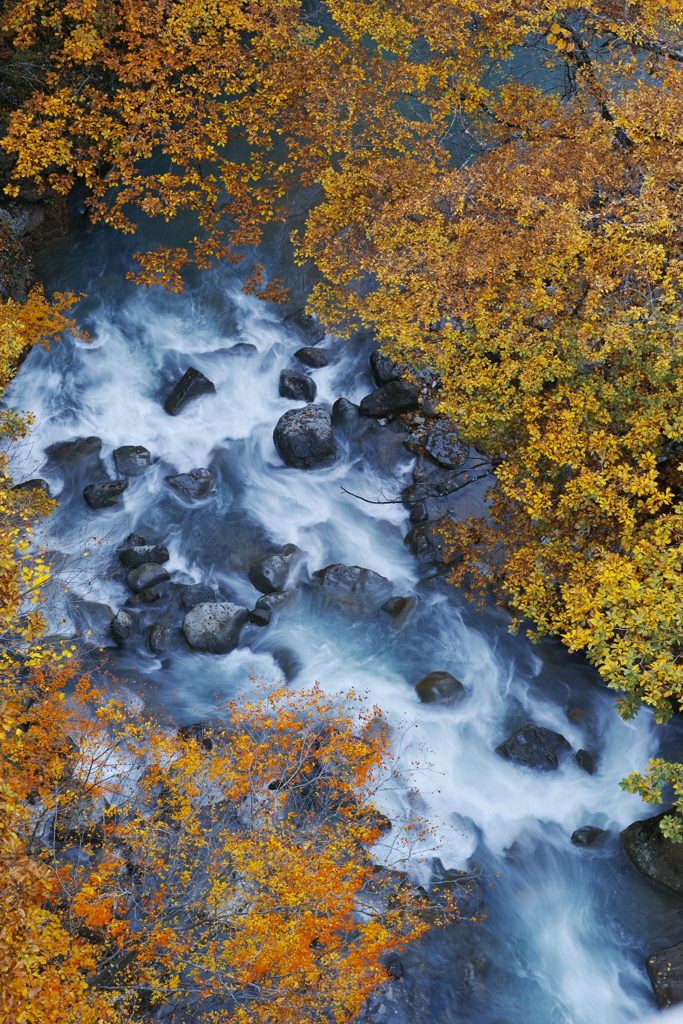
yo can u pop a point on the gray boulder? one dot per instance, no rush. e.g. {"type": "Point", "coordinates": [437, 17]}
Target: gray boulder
{"type": "Point", "coordinates": [395, 397]}
{"type": "Point", "coordinates": [193, 485]}
{"type": "Point", "coordinates": [214, 628]}
{"type": "Point", "coordinates": [445, 446]}
{"type": "Point", "coordinates": [303, 438]}
{"type": "Point", "coordinates": [123, 625]}
{"type": "Point", "coordinates": [439, 687]}
{"type": "Point", "coordinates": [271, 602]}
{"type": "Point", "coordinates": [534, 747]}
{"type": "Point", "coordinates": [653, 854]}
{"type": "Point", "coordinates": [105, 494]}
{"type": "Point", "coordinates": [191, 385]}
{"type": "Point", "coordinates": [146, 576]}
{"type": "Point", "coordinates": [198, 593]}
{"type": "Point", "coordinates": [131, 460]}
{"type": "Point", "coordinates": [665, 971]}
{"type": "Point", "coordinates": [140, 554]}
{"type": "Point", "coordinates": [352, 588]}
{"type": "Point", "coordinates": [297, 385]}
{"type": "Point", "coordinates": [313, 357]}
{"type": "Point", "coordinates": [270, 573]}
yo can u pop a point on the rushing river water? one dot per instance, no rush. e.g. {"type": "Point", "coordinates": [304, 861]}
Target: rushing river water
{"type": "Point", "coordinates": [566, 929]}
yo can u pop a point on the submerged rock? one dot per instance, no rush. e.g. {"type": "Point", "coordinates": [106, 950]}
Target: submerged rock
{"type": "Point", "coordinates": [394, 606]}
{"type": "Point", "coordinates": [195, 484]}
{"type": "Point", "coordinates": [395, 397]}
{"type": "Point", "coordinates": [297, 385]}
{"type": "Point", "coordinates": [77, 448]}
{"type": "Point", "coordinates": [139, 554]}
{"type": "Point", "coordinates": [214, 628]}
{"type": "Point", "coordinates": [665, 971]}
{"type": "Point", "coordinates": [260, 616]}
{"type": "Point", "coordinates": [270, 573]}
{"type": "Point", "coordinates": [198, 593]}
{"type": "Point", "coordinates": [123, 625]}
{"type": "Point", "coordinates": [445, 446]}
{"type": "Point", "coordinates": [191, 385]}
{"type": "Point", "coordinates": [534, 747]}
{"type": "Point", "coordinates": [653, 854]}
{"type": "Point", "coordinates": [131, 460]}
{"type": "Point", "coordinates": [313, 357]}
{"type": "Point", "coordinates": [439, 686]}
{"type": "Point", "coordinates": [271, 602]}
{"type": "Point", "coordinates": [147, 575]}
{"type": "Point", "coordinates": [303, 438]}
{"type": "Point", "coordinates": [586, 761]}
{"type": "Point", "coordinates": [351, 587]}
{"type": "Point", "coordinates": [105, 494]}
{"type": "Point", "coordinates": [94, 621]}
{"type": "Point", "coordinates": [343, 409]}
{"type": "Point", "coordinates": [587, 835]}
{"type": "Point", "coordinates": [165, 638]}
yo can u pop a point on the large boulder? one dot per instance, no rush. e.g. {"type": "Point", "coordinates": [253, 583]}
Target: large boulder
{"type": "Point", "coordinates": [140, 554]}
{"type": "Point", "coordinates": [665, 971]}
{"type": "Point", "coordinates": [191, 385]}
{"type": "Point", "coordinates": [383, 369]}
{"type": "Point", "coordinates": [193, 485]}
{"type": "Point", "coordinates": [534, 747]}
{"type": "Point", "coordinates": [313, 357]}
{"type": "Point", "coordinates": [105, 494]}
{"type": "Point", "coordinates": [445, 446]}
{"type": "Point", "coordinates": [439, 687]}
{"type": "Point", "coordinates": [352, 588]}
{"type": "Point", "coordinates": [653, 854]}
{"type": "Point", "coordinates": [147, 575]}
{"type": "Point", "coordinates": [303, 438]}
{"type": "Point", "coordinates": [395, 397]}
{"type": "Point", "coordinates": [131, 460]}
{"type": "Point", "coordinates": [297, 385]}
{"type": "Point", "coordinates": [214, 628]}
{"type": "Point", "coordinates": [270, 573]}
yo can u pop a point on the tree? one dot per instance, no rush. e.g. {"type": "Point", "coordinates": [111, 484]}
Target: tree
{"type": "Point", "coordinates": [223, 871]}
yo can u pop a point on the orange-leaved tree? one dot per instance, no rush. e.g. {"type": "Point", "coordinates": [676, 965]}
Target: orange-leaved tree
{"type": "Point", "coordinates": [229, 871]}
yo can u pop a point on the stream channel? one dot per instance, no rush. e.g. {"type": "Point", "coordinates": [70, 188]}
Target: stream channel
{"type": "Point", "coordinates": [566, 929]}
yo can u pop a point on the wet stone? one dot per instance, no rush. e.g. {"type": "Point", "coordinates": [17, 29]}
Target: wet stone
{"type": "Point", "coordinates": [395, 397]}
{"type": "Point", "coordinates": [131, 460]}
{"type": "Point", "coordinates": [394, 606]}
{"type": "Point", "coordinates": [163, 638]}
{"type": "Point", "coordinates": [33, 485]}
{"type": "Point", "coordinates": [306, 323]}
{"type": "Point", "coordinates": [303, 438]}
{"type": "Point", "coordinates": [394, 966]}
{"type": "Point", "coordinates": [198, 593]}
{"type": "Point", "coordinates": [134, 556]}
{"type": "Point", "coordinates": [586, 761]}
{"type": "Point", "coordinates": [587, 835]}
{"type": "Point", "coordinates": [134, 540]}
{"type": "Point", "coordinates": [105, 494]}
{"type": "Point", "coordinates": [214, 628]}
{"type": "Point", "coordinates": [195, 484]}
{"type": "Point", "coordinates": [383, 368]}
{"type": "Point", "coordinates": [653, 854]}
{"type": "Point", "coordinates": [243, 348]}
{"type": "Point", "coordinates": [191, 385]}
{"type": "Point", "coordinates": [429, 541]}
{"type": "Point", "coordinates": [343, 409]}
{"type": "Point", "coordinates": [439, 687]}
{"type": "Point", "coordinates": [122, 627]}
{"type": "Point", "coordinates": [148, 595]}
{"type": "Point", "coordinates": [145, 576]}
{"type": "Point", "coordinates": [271, 602]}
{"type": "Point", "coordinates": [270, 574]}
{"type": "Point", "coordinates": [77, 448]}
{"type": "Point", "coordinates": [260, 616]}
{"type": "Point", "coordinates": [352, 588]}
{"type": "Point", "coordinates": [313, 357]}
{"type": "Point", "coordinates": [534, 747]}
{"type": "Point", "coordinates": [297, 385]}
{"type": "Point", "coordinates": [445, 446]}
{"type": "Point", "coordinates": [665, 971]}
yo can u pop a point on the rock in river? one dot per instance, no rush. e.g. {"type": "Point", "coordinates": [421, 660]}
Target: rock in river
{"type": "Point", "coordinates": [534, 747]}
{"type": "Point", "coordinates": [383, 368]}
{"type": "Point", "coordinates": [78, 448]}
{"type": "Point", "coordinates": [191, 385]}
{"type": "Point", "coordinates": [195, 484]}
{"type": "Point", "coordinates": [123, 626]}
{"type": "Point", "coordinates": [131, 460]}
{"type": "Point", "coordinates": [351, 587]}
{"type": "Point", "coordinates": [587, 835]}
{"type": "Point", "coordinates": [197, 593]}
{"type": "Point", "coordinates": [147, 575]}
{"type": "Point", "coordinates": [139, 554]}
{"type": "Point", "coordinates": [165, 638]}
{"type": "Point", "coordinates": [270, 573]}
{"type": "Point", "coordinates": [303, 438]}
{"type": "Point", "coordinates": [653, 854]}
{"type": "Point", "coordinates": [439, 686]}
{"type": "Point", "coordinates": [665, 971]}
{"type": "Point", "coordinates": [313, 357]}
{"type": "Point", "coordinates": [445, 446]}
{"type": "Point", "coordinates": [294, 384]}
{"type": "Point", "coordinates": [214, 628]}
{"type": "Point", "coordinates": [33, 485]}
{"type": "Point", "coordinates": [395, 397]}
{"type": "Point", "coordinates": [105, 494]}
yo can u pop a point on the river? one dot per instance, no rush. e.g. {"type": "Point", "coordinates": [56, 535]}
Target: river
{"type": "Point", "coordinates": [566, 930]}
